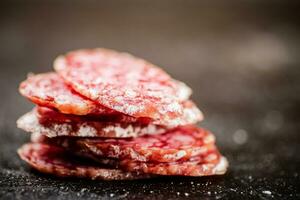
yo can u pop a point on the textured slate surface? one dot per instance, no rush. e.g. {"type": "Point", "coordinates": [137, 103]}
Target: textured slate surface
{"type": "Point", "coordinates": [241, 59]}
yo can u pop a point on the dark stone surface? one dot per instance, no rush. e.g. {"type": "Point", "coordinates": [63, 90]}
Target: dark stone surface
{"type": "Point", "coordinates": [241, 59]}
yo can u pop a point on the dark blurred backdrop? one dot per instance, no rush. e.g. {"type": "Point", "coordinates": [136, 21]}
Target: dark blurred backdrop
{"type": "Point", "coordinates": [240, 57]}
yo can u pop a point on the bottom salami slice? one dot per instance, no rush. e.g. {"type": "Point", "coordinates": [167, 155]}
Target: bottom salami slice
{"type": "Point", "coordinates": [30, 123]}
{"type": "Point", "coordinates": [56, 161]}
{"type": "Point", "coordinates": [200, 166]}
{"type": "Point", "coordinates": [206, 164]}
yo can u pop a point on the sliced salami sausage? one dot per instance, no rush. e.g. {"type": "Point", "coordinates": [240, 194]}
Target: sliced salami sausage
{"type": "Point", "coordinates": [30, 123]}
{"type": "Point", "coordinates": [191, 115]}
{"type": "Point", "coordinates": [48, 116]}
{"type": "Point", "coordinates": [56, 161]}
{"type": "Point", "coordinates": [205, 164]}
{"type": "Point", "coordinates": [49, 90]}
{"type": "Point", "coordinates": [123, 83]}
{"type": "Point", "coordinates": [178, 144]}
{"type": "Point", "coordinates": [210, 165]}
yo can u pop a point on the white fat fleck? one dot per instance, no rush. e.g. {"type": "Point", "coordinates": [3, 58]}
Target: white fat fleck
{"type": "Point", "coordinates": [205, 167]}
{"type": "Point", "coordinates": [211, 157]}
{"type": "Point", "coordinates": [132, 131]}
{"type": "Point", "coordinates": [209, 139]}
{"type": "Point", "coordinates": [199, 150]}
{"type": "Point", "coordinates": [130, 93]}
{"type": "Point", "coordinates": [94, 93]}
{"type": "Point", "coordinates": [156, 94]}
{"type": "Point", "coordinates": [174, 107]}
{"type": "Point", "coordinates": [192, 116]}
{"type": "Point", "coordinates": [136, 156]}
{"type": "Point", "coordinates": [86, 131]}
{"type": "Point", "coordinates": [180, 154]}
{"type": "Point", "coordinates": [37, 137]}
{"type": "Point", "coordinates": [96, 150]}
{"type": "Point", "coordinates": [132, 109]}
{"type": "Point", "coordinates": [119, 99]}
{"type": "Point", "coordinates": [221, 167]}
{"type": "Point", "coordinates": [98, 80]}
{"type": "Point", "coordinates": [59, 63]}
{"type": "Point", "coordinates": [183, 92]}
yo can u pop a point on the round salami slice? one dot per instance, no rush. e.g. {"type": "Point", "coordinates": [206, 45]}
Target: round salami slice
{"type": "Point", "coordinates": [123, 83]}
{"type": "Point", "coordinates": [210, 165]}
{"type": "Point", "coordinates": [179, 144]}
{"type": "Point", "coordinates": [56, 161]}
{"type": "Point", "coordinates": [191, 115]}
{"type": "Point", "coordinates": [206, 164]}
{"type": "Point", "coordinates": [48, 116]}
{"type": "Point", "coordinates": [49, 90]}
{"type": "Point", "coordinates": [30, 122]}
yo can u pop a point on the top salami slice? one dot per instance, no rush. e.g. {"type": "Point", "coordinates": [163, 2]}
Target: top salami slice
{"type": "Point", "coordinates": [123, 83]}
{"type": "Point", "coordinates": [49, 90]}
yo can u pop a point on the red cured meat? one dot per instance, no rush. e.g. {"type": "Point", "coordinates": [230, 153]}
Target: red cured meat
{"type": "Point", "coordinates": [123, 83]}
{"type": "Point", "coordinates": [206, 164]}
{"type": "Point", "coordinates": [191, 115]}
{"type": "Point", "coordinates": [48, 116]}
{"type": "Point", "coordinates": [212, 164]}
{"type": "Point", "coordinates": [30, 123]}
{"type": "Point", "coordinates": [179, 144]}
{"type": "Point", "coordinates": [49, 90]}
{"type": "Point", "coordinates": [209, 164]}
{"type": "Point", "coordinates": [56, 161]}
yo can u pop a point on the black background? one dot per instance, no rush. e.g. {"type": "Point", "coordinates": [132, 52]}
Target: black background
{"type": "Point", "coordinates": [240, 57]}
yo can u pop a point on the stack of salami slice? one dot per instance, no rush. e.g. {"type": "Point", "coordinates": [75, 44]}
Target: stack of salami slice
{"type": "Point", "coordinates": [112, 116]}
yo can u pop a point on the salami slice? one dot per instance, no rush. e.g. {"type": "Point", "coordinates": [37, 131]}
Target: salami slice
{"type": "Point", "coordinates": [179, 144]}
{"type": "Point", "coordinates": [206, 164]}
{"type": "Point", "coordinates": [30, 123]}
{"type": "Point", "coordinates": [48, 116]}
{"type": "Point", "coordinates": [209, 164]}
{"type": "Point", "coordinates": [49, 90]}
{"type": "Point", "coordinates": [123, 83]}
{"type": "Point", "coordinates": [191, 115]}
{"type": "Point", "coordinates": [197, 167]}
{"type": "Point", "coordinates": [56, 161]}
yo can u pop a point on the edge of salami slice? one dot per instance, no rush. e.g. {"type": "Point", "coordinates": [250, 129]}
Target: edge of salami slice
{"type": "Point", "coordinates": [209, 164]}
{"type": "Point", "coordinates": [187, 168]}
{"type": "Point", "coordinates": [179, 144]}
{"type": "Point", "coordinates": [206, 166]}
{"type": "Point", "coordinates": [30, 123]}
{"type": "Point", "coordinates": [55, 161]}
{"type": "Point", "coordinates": [49, 89]}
